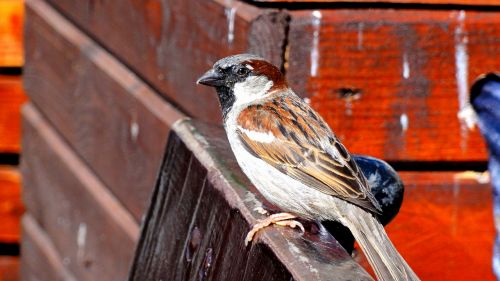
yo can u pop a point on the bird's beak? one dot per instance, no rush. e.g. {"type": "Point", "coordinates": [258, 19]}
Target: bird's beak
{"type": "Point", "coordinates": [211, 78]}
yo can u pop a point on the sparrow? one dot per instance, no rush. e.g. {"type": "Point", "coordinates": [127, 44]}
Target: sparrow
{"type": "Point", "coordinates": [295, 160]}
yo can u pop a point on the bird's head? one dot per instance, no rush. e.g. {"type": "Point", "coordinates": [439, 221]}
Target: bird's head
{"type": "Point", "coordinates": [242, 79]}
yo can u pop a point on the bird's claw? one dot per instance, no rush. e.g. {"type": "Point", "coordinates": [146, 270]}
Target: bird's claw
{"type": "Point", "coordinates": [282, 219]}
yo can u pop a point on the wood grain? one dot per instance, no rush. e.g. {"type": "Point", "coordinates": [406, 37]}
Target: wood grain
{"type": "Point", "coordinates": [107, 114]}
{"type": "Point", "coordinates": [11, 207]}
{"type": "Point", "coordinates": [171, 43]}
{"type": "Point", "coordinates": [94, 234]}
{"type": "Point", "coordinates": [40, 260]}
{"type": "Point", "coordinates": [411, 70]}
{"type": "Point", "coordinates": [11, 31]}
{"type": "Point", "coordinates": [204, 204]}
{"type": "Point", "coordinates": [445, 227]}
{"type": "Point", "coordinates": [11, 98]}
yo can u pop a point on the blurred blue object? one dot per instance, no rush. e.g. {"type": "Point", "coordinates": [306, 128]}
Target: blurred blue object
{"type": "Point", "coordinates": [485, 99]}
{"type": "Point", "coordinates": [388, 189]}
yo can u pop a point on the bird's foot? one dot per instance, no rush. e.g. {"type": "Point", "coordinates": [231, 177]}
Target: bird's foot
{"type": "Point", "coordinates": [283, 219]}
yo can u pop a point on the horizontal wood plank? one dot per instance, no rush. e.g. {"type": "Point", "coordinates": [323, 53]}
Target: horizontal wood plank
{"type": "Point", "coordinates": [391, 82]}
{"type": "Point", "coordinates": [171, 43]}
{"type": "Point", "coordinates": [94, 234]}
{"type": "Point", "coordinates": [11, 207]}
{"type": "Point", "coordinates": [11, 33]}
{"type": "Point", "coordinates": [40, 261]}
{"type": "Point", "coordinates": [11, 98]}
{"type": "Point", "coordinates": [9, 268]}
{"type": "Point", "coordinates": [445, 227]}
{"type": "Point", "coordinates": [110, 117]}
{"type": "Point", "coordinates": [435, 2]}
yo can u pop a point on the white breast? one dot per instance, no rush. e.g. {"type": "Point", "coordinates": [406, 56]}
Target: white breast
{"type": "Point", "coordinates": [278, 188]}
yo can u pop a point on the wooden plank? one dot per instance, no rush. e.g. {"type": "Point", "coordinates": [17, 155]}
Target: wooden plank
{"type": "Point", "coordinates": [11, 98]}
{"type": "Point", "coordinates": [40, 260]}
{"type": "Point", "coordinates": [411, 66]}
{"type": "Point", "coordinates": [9, 268]}
{"type": "Point", "coordinates": [445, 227]}
{"type": "Point", "coordinates": [200, 186]}
{"type": "Point", "coordinates": [171, 43]}
{"type": "Point", "coordinates": [432, 2]}
{"type": "Point", "coordinates": [391, 82]}
{"type": "Point", "coordinates": [11, 207]}
{"type": "Point", "coordinates": [11, 33]}
{"type": "Point", "coordinates": [91, 230]}
{"type": "Point", "coordinates": [110, 117]}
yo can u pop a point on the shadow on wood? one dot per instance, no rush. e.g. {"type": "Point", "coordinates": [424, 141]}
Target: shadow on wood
{"type": "Point", "coordinates": [200, 212]}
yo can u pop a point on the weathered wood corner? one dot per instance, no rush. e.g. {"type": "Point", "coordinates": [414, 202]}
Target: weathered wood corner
{"type": "Point", "coordinates": [200, 211]}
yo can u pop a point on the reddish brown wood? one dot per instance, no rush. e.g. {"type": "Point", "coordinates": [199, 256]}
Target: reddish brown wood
{"type": "Point", "coordinates": [94, 234]}
{"type": "Point", "coordinates": [9, 268]}
{"type": "Point", "coordinates": [11, 40]}
{"type": "Point", "coordinates": [438, 2]}
{"type": "Point", "coordinates": [40, 261]}
{"type": "Point", "coordinates": [402, 62]}
{"type": "Point", "coordinates": [445, 227]}
{"type": "Point", "coordinates": [171, 43]}
{"type": "Point", "coordinates": [11, 98]}
{"type": "Point", "coordinates": [110, 117]}
{"type": "Point", "coordinates": [11, 207]}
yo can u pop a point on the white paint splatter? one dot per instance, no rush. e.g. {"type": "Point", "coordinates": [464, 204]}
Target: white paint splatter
{"type": "Point", "coordinates": [81, 237]}
{"type": "Point", "coordinates": [316, 22]}
{"type": "Point", "coordinates": [230, 13]}
{"type": "Point", "coordinates": [404, 121]}
{"type": "Point", "coordinates": [468, 116]}
{"type": "Point", "coordinates": [406, 66]}
{"type": "Point", "coordinates": [462, 71]}
{"type": "Point", "coordinates": [265, 137]}
{"type": "Point", "coordinates": [134, 130]}
{"type": "Point", "coordinates": [361, 26]}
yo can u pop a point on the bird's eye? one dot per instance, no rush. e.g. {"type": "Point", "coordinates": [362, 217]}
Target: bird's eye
{"type": "Point", "coordinates": [242, 71]}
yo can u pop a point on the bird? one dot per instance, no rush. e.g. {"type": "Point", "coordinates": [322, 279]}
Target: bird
{"type": "Point", "coordinates": [294, 159]}
{"type": "Point", "coordinates": [388, 189]}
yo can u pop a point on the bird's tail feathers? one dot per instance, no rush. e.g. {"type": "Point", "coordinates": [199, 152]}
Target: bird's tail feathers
{"type": "Point", "coordinates": [385, 260]}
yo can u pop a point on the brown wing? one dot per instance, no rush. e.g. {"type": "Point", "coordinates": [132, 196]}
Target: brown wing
{"type": "Point", "coordinates": [304, 148]}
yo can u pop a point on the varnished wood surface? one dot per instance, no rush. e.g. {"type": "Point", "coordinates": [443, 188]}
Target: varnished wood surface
{"type": "Point", "coordinates": [11, 39]}
{"type": "Point", "coordinates": [407, 67]}
{"type": "Point", "coordinates": [11, 98]}
{"type": "Point", "coordinates": [11, 207]}
{"type": "Point", "coordinates": [204, 203]}
{"type": "Point", "coordinates": [171, 43]}
{"type": "Point", "coordinates": [40, 260]}
{"type": "Point", "coordinates": [108, 115]}
{"type": "Point", "coordinates": [94, 234]}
